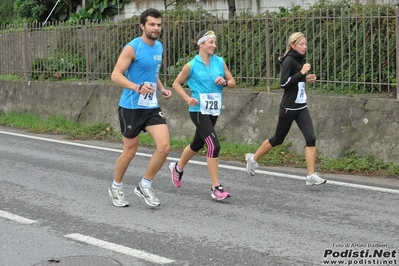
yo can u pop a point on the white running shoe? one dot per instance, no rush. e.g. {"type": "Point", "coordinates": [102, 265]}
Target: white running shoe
{"type": "Point", "coordinates": [251, 164]}
{"type": "Point", "coordinates": [118, 197]}
{"type": "Point", "coordinates": [314, 179]}
{"type": "Point", "coordinates": [148, 195]}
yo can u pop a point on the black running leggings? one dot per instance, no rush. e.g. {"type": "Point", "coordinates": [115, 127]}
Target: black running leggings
{"type": "Point", "coordinates": [303, 120]}
{"type": "Point", "coordinates": [205, 134]}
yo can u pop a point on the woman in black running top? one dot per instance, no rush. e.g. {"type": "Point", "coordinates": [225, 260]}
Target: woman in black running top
{"type": "Point", "coordinates": [294, 74]}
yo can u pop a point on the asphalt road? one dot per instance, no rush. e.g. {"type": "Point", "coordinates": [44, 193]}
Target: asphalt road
{"type": "Point", "coordinates": [54, 205]}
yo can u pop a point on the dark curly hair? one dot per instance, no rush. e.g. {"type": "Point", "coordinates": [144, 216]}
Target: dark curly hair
{"type": "Point", "coordinates": [151, 12]}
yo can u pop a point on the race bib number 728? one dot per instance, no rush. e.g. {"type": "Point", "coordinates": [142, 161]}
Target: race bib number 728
{"type": "Point", "coordinates": [211, 103]}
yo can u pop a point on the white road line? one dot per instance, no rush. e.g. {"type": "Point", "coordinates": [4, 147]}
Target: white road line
{"type": "Point", "coordinates": [373, 188]}
{"type": "Point", "coordinates": [58, 141]}
{"type": "Point", "coordinates": [16, 218]}
{"type": "Point", "coordinates": [120, 249]}
{"type": "Point", "coordinates": [379, 189]}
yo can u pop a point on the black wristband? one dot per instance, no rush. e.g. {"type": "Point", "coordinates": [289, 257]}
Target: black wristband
{"type": "Point", "coordinates": [226, 83]}
{"type": "Point", "coordinates": [139, 88]}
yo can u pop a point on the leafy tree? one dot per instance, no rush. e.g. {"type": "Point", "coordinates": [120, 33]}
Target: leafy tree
{"type": "Point", "coordinates": [99, 9]}
{"type": "Point", "coordinates": [39, 10]}
{"type": "Point", "coordinates": [6, 11]}
{"type": "Point", "coordinates": [30, 10]}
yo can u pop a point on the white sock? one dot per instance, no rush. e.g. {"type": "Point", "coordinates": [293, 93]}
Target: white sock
{"type": "Point", "coordinates": [116, 185]}
{"type": "Point", "coordinates": [145, 182]}
{"type": "Point", "coordinates": [178, 169]}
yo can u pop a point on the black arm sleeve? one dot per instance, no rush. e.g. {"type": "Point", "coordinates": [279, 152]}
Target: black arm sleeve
{"type": "Point", "coordinates": [289, 72]}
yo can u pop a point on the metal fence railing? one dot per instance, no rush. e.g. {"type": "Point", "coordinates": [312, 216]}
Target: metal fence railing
{"type": "Point", "coordinates": [350, 49]}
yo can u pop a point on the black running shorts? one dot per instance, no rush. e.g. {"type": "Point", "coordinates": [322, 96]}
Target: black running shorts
{"type": "Point", "coordinates": [133, 121]}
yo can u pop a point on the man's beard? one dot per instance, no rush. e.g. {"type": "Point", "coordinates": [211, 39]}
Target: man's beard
{"type": "Point", "coordinates": [149, 36]}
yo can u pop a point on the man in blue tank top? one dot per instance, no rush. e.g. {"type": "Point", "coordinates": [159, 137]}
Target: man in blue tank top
{"type": "Point", "coordinates": [137, 72]}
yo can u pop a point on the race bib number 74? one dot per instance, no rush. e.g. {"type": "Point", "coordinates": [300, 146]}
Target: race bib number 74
{"type": "Point", "coordinates": [149, 99]}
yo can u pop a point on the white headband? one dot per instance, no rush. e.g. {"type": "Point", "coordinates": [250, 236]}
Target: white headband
{"type": "Point", "coordinates": [207, 36]}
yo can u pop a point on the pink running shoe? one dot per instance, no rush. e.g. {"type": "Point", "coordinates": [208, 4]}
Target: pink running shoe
{"type": "Point", "coordinates": [219, 193]}
{"type": "Point", "coordinates": [176, 175]}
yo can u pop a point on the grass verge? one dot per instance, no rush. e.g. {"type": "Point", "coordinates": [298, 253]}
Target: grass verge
{"type": "Point", "coordinates": [351, 163]}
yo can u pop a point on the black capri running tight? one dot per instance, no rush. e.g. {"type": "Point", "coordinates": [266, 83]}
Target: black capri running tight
{"type": "Point", "coordinates": [304, 122]}
{"type": "Point", "coordinates": [205, 134]}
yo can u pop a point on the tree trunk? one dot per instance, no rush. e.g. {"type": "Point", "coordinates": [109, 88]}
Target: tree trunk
{"type": "Point", "coordinates": [70, 10]}
{"type": "Point", "coordinates": [232, 8]}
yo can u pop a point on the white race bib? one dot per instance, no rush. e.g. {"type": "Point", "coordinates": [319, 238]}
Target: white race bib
{"type": "Point", "coordinates": [211, 103]}
{"type": "Point", "coordinates": [301, 96]}
{"type": "Point", "coordinates": [149, 99]}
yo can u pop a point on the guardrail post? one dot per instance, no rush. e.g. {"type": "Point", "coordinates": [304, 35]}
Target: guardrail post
{"type": "Point", "coordinates": [397, 51]}
{"type": "Point", "coordinates": [87, 50]}
{"type": "Point", "coordinates": [165, 50]}
{"type": "Point", "coordinates": [26, 50]}
{"type": "Point", "coordinates": [268, 70]}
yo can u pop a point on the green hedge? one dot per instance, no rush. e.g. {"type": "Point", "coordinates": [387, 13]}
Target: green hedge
{"type": "Point", "coordinates": [352, 49]}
